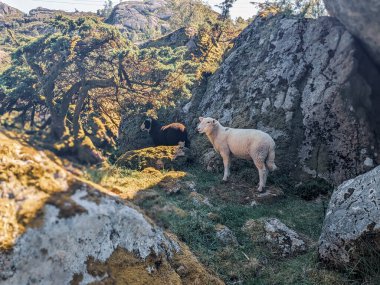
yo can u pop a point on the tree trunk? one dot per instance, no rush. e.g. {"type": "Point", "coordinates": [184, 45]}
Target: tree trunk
{"type": "Point", "coordinates": [77, 125]}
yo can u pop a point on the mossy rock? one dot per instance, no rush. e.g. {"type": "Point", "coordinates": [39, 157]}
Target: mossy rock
{"type": "Point", "coordinates": [160, 157]}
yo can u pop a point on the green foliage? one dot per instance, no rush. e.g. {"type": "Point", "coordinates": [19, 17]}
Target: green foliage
{"type": "Point", "coordinates": [106, 10]}
{"type": "Point", "coordinates": [190, 13]}
{"type": "Point", "coordinates": [305, 8]}
{"type": "Point", "coordinates": [225, 7]}
{"type": "Point", "coordinates": [85, 71]}
{"type": "Point", "coordinates": [249, 262]}
{"type": "Point", "coordinates": [314, 188]}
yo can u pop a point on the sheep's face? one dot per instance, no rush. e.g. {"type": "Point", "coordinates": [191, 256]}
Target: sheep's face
{"type": "Point", "coordinates": [206, 125]}
{"type": "Point", "coordinates": [146, 125]}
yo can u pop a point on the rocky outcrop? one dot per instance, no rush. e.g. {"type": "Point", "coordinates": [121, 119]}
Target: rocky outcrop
{"type": "Point", "coordinates": [76, 232]}
{"type": "Point", "coordinates": [361, 18]}
{"type": "Point", "coordinates": [141, 19]}
{"type": "Point", "coordinates": [307, 83]}
{"type": "Point", "coordinates": [351, 229]}
{"type": "Point", "coordinates": [7, 11]}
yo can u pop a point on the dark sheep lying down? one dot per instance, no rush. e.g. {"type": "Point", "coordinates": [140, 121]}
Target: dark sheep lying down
{"type": "Point", "coordinates": [171, 134]}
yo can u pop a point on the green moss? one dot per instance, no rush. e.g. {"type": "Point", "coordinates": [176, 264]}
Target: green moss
{"type": "Point", "coordinates": [160, 157]}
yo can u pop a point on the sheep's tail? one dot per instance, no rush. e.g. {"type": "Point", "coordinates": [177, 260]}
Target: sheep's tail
{"type": "Point", "coordinates": [270, 158]}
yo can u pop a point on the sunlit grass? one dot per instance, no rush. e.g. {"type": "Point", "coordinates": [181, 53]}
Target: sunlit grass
{"type": "Point", "coordinates": [127, 183]}
{"type": "Point", "coordinates": [247, 263]}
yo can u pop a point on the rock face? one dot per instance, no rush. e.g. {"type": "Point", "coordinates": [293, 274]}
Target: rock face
{"type": "Point", "coordinates": [309, 85]}
{"type": "Point", "coordinates": [352, 227]}
{"type": "Point", "coordinates": [277, 235]}
{"type": "Point", "coordinates": [361, 18]}
{"type": "Point", "coordinates": [8, 11]}
{"type": "Point", "coordinates": [76, 232]}
{"type": "Point", "coordinates": [141, 18]}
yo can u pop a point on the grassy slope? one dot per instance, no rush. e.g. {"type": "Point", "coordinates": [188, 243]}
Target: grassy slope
{"type": "Point", "coordinates": [194, 222]}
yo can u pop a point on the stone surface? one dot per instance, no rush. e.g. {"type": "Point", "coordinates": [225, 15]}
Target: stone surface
{"type": "Point", "coordinates": [352, 224]}
{"type": "Point", "coordinates": [225, 235]}
{"type": "Point", "coordinates": [56, 228]}
{"type": "Point", "coordinates": [8, 11]}
{"type": "Point", "coordinates": [278, 237]}
{"type": "Point", "coordinates": [141, 18]}
{"type": "Point", "coordinates": [362, 19]}
{"type": "Point", "coordinates": [306, 82]}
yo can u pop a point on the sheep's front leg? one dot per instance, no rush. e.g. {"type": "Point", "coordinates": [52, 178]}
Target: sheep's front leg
{"type": "Point", "coordinates": [226, 163]}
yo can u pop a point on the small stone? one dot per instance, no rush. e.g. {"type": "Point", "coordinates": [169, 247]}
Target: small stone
{"type": "Point", "coordinates": [277, 235]}
{"type": "Point", "coordinates": [182, 271]}
{"type": "Point", "coordinates": [368, 162]}
{"type": "Point", "coordinates": [225, 235]}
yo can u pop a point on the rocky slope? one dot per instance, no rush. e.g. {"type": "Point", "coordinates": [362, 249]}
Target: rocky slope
{"type": "Point", "coordinates": [306, 82]}
{"type": "Point", "coordinates": [76, 232]}
{"type": "Point", "coordinates": [361, 18]}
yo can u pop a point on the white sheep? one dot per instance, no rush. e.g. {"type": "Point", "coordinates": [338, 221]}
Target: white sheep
{"type": "Point", "coordinates": [242, 143]}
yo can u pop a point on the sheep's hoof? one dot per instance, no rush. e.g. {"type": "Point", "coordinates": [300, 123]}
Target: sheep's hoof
{"type": "Point", "coordinates": [224, 181]}
{"type": "Point", "coordinates": [260, 190]}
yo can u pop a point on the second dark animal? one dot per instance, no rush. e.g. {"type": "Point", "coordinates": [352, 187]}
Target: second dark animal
{"type": "Point", "coordinates": [171, 134]}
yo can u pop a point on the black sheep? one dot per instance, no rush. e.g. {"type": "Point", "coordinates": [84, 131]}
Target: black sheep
{"type": "Point", "coordinates": [170, 134]}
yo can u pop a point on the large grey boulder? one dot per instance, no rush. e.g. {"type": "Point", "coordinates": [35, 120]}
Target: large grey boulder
{"type": "Point", "coordinates": [351, 228]}
{"type": "Point", "coordinates": [57, 228]}
{"type": "Point", "coordinates": [362, 19]}
{"type": "Point", "coordinates": [141, 20]}
{"type": "Point", "coordinates": [306, 82]}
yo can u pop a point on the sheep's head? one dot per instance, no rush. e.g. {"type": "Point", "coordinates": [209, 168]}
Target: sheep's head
{"type": "Point", "coordinates": [206, 125]}
{"type": "Point", "coordinates": [146, 125]}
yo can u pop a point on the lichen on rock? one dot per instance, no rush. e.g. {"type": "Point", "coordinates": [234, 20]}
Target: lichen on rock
{"type": "Point", "coordinates": [279, 238]}
{"type": "Point", "coordinates": [352, 225]}
{"type": "Point", "coordinates": [309, 84]}
{"type": "Point", "coordinates": [76, 232]}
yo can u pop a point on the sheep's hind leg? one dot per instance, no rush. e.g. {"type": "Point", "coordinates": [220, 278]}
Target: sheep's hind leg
{"type": "Point", "coordinates": [260, 165]}
{"type": "Point", "coordinates": [226, 163]}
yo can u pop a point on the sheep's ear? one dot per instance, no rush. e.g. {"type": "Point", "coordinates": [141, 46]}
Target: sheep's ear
{"type": "Point", "coordinates": [200, 119]}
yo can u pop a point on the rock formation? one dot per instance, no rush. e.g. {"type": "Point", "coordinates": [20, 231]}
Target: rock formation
{"type": "Point", "coordinates": [7, 11]}
{"type": "Point", "coordinates": [58, 228]}
{"type": "Point", "coordinates": [361, 18]}
{"type": "Point", "coordinates": [145, 18]}
{"type": "Point", "coordinates": [351, 228]}
{"type": "Point", "coordinates": [307, 83]}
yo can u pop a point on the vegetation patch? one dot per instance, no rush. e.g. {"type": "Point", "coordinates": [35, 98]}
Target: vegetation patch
{"type": "Point", "coordinates": [196, 223]}
{"type": "Point", "coordinates": [28, 178]}
{"type": "Point", "coordinates": [160, 157]}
